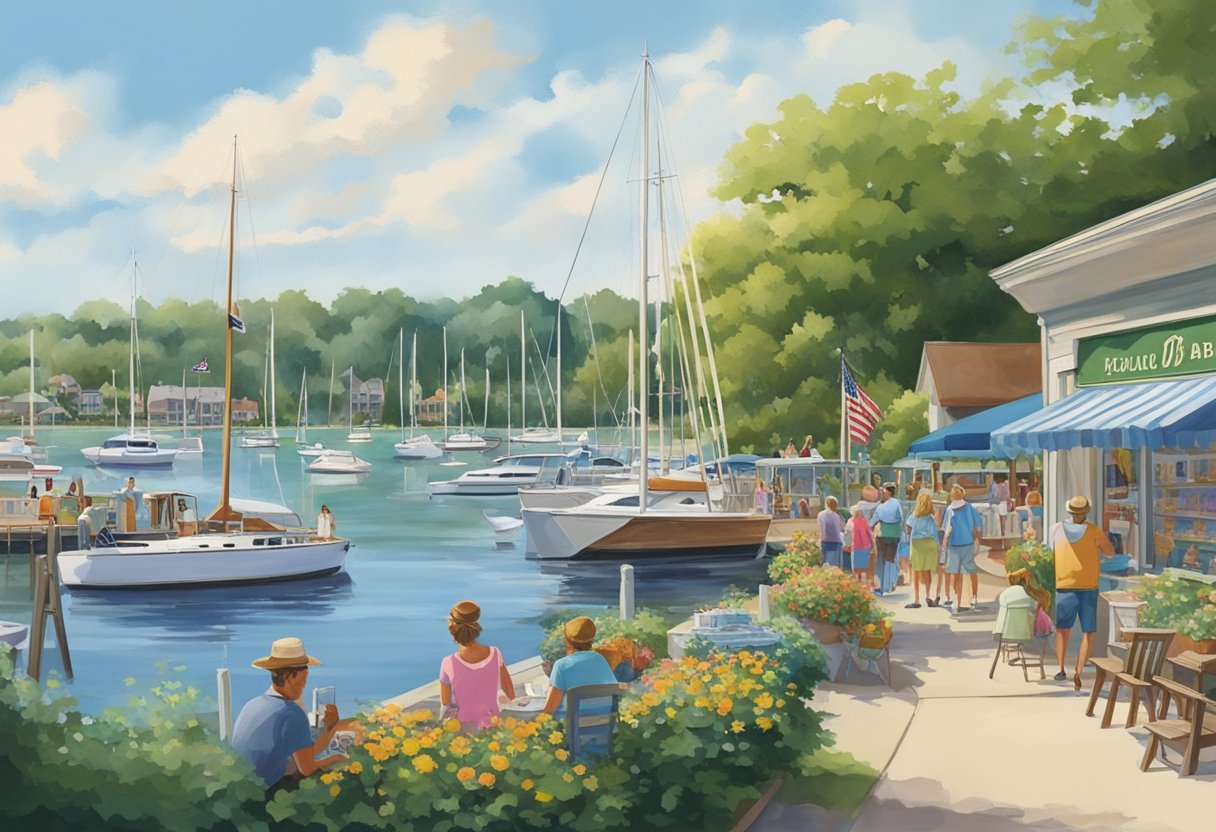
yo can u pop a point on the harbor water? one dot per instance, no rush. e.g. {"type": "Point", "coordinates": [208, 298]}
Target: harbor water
{"type": "Point", "coordinates": [380, 626]}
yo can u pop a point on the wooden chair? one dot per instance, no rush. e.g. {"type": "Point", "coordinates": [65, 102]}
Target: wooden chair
{"type": "Point", "coordinates": [1145, 658]}
{"type": "Point", "coordinates": [1194, 733]}
{"type": "Point", "coordinates": [591, 712]}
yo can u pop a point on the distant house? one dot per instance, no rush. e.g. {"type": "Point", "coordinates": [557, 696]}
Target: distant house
{"type": "Point", "coordinates": [243, 411]}
{"type": "Point", "coordinates": [368, 397]}
{"type": "Point", "coordinates": [90, 403]}
{"type": "Point", "coordinates": [964, 378]}
{"type": "Point", "coordinates": [64, 385]}
{"type": "Point", "coordinates": [430, 410]}
{"type": "Point", "coordinates": [167, 403]}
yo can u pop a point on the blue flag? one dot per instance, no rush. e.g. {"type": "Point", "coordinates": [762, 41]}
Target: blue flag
{"type": "Point", "coordinates": [234, 320]}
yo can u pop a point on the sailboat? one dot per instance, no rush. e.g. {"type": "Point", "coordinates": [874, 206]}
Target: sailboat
{"type": "Point", "coordinates": [229, 546]}
{"type": "Point", "coordinates": [17, 458]}
{"type": "Point", "coordinates": [266, 439]}
{"type": "Point", "coordinates": [131, 449]}
{"type": "Point", "coordinates": [678, 520]}
{"type": "Point", "coordinates": [305, 450]}
{"type": "Point", "coordinates": [417, 446]}
{"type": "Point", "coordinates": [544, 435]}
{"type": "Point", "coordinates": [187, 446]}
{"type": "Point", "coordinates": [352, 435]}
{"type": "Point", "coordinates": [464, 440]}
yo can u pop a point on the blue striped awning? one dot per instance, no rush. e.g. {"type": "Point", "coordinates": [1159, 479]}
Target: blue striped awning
{"type": "Point", "coordinates": [1159, 414]}
{"type": "Point", "coordinates": [970, 437]}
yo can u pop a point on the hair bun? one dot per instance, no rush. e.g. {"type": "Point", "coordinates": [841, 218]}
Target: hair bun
{"type": "Point", "coordinates": [465, 612]}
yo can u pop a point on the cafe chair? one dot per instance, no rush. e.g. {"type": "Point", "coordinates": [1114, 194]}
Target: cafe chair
{"type": "Point", "coordinates": [1013, 629]}
{"type": "Point", "coordinates": [1145, 658]}
{"type": "Point", "coordinates": [591, 712]}
{"type": "Point", "coordinates": [1193, 733]}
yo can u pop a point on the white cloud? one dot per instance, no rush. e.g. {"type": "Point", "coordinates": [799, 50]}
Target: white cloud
{"type": "Point", "coordinates": [820, 39]}
{"type": "Point", "coordinates": [42, 120]}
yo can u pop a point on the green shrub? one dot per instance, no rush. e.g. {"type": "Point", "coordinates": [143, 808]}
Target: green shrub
{"type": "Point", "coordinates": [828, 595]}
{"type": "Point", "coordinates": [1039, 560]}
{"type": "Point", "coordinates": [800, 553]}
{"type": "Point", "coordinates": [1178, 603]}
{"type": "Point", "coordinates": [647, 628]}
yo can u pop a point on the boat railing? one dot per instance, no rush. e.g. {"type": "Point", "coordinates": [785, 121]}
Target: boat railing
{"type": "Point", "coordinates": [18, 509]}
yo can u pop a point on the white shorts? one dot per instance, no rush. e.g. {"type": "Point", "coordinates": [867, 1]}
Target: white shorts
{"type": "Point", "coordinates": [1002, 509]}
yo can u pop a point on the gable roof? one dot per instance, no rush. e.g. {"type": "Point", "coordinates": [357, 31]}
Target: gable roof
{"type": "Point", "coordinates": [968, 374]}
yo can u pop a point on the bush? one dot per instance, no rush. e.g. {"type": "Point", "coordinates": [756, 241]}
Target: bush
{"type": "Point", "coordinates": [828, 595]}
{"type": "Point", "coordinates": [647, 628]}
{"type": "Point", "coordinates": [802, 551]}
{"type": "Point", "coordinates": [1178, 603]}
{"type": "Point", "coordinates": [153, 767]}
{"type": "Point", "coordinates": [1040, 562]}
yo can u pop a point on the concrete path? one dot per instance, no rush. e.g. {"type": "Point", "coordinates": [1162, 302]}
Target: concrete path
{"type": "Point", "coordinates": [959, 752]}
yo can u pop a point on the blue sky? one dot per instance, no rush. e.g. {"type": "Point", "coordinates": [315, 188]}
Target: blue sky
{"type": "Point", "coordinates": [436, 147]}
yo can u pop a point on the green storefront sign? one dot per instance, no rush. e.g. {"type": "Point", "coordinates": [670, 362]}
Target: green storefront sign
{"type": "Point", "coordinates": [1180, 348]}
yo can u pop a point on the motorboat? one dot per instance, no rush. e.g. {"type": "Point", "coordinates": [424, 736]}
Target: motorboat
{"type": "Point", "coordinates": [338, 462]}
{"type": "Point", "coordinates": [259, 440]}
{"type": "Point", "coordinates": [130, 450]}
{"type": "Point", "coordinates": [17, 462]}
{"type": "Point", "coordinates": [228, 546]}
{"type": "Point", "coordinates": [360, 435]}
{"type": "Point", "coordinates": [505, 478]}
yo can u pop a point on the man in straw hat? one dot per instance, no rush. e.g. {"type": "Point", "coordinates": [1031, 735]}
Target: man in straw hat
{"type": "Point", "coordinates": [272, 731]}
{"type": "Point", "coordinates": [580, 666]}
{"type": "Point", "coordinates": [1078, 546]}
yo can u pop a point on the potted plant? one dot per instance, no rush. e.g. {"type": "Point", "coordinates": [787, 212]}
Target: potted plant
{"type": "Point", "coordinates": [827, 600]}
{"type": "Point", "coordinates": [1039, 561]}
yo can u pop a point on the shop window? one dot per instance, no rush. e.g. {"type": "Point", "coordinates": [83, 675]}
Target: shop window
{"type": "Point", "coordinates": [1121, 509]}
{"type": "Point", "coordinates": [1184, 510]}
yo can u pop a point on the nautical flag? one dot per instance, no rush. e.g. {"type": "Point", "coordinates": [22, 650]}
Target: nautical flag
{"type": "Point", "coordinates": [201, 367]}
{"type": "Point", "coordinates": [861, 411]}
{"type": "Point", "coordinates": [234, 320]}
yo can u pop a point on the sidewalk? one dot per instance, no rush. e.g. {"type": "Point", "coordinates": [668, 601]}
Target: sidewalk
{"type": "Point", "coordinates": [959, 752]}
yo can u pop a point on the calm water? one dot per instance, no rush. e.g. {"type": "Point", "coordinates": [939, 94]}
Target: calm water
{"type": "Point", "coordinates": [379, 627]}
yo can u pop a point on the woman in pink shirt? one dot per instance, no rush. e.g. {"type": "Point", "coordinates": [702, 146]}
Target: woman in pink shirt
{"type": "Point", "coordinates": [469, 679]}
{"type": "Point", "coordinates": [863, 543]}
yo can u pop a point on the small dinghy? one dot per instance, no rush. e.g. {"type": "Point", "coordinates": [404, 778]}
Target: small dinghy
{"type": "Point", "coordinates": [502, 524]}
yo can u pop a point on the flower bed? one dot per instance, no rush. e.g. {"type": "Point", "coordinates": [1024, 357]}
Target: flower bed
{"type": "Point", "coordinates": [1177, 603]}
{"type": "Point", "coordinates": [802, 551]}
{"type": "Point", "coordinates": [827, 595]}
{"type": "Point", "coordinates": [647, 628]}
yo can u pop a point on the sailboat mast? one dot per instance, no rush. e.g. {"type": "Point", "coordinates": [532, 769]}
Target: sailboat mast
{"type": "Point", "coordinates": [462, 389]}
{"type": "Point", "coordinates": [413, 382]}
{"type": "Point", "coordinates": [445, 384]}
{"type": "Point", "coordinates": [350, 401]}
{"type": "Point", "coordinates": [274, 428]}
{"type": "Point", "coordinates": [224, 510]}
{"type": "Point", "coordinates": [559, 371]}
{"type": "Point", "coordinates": [508, 363]}
{"type": "Point", "coordinates": [130, 352]}
{"type": "Point", "coordinates": [31, 384]}
{"type": "Point", "coordinates": [183, 402]}
{"type": "Point", "coordinates": [485, 417]}
{"type": "Point", "coordinates": [523, 375]}
{"type": "Point", "coordinates": [644, 267]}
{"type": "Point", "coordinates": [633, 434]}
{"type": "Point", "coordinates": [401, 381]}
{"type": "Point", "coordinates": [329, 414]}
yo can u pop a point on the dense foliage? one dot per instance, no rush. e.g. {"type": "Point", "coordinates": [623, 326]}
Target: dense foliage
{"type": "Point", "coordinates": [647, 628]}
{"type": "Point", "coordinates": [1178, 603]}
{"type": "Point", "coordinates": [1040, 561]}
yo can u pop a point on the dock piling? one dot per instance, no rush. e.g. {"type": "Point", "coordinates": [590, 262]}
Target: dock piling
{"type": "Point", "coordinates": [223, 683]}
{"type": "Point", "coordinates": [764, 614]}
{"type": "Point", "coordinates": [626, 592]}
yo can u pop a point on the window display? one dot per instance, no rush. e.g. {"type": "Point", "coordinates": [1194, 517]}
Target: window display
{"type": "Point", "coordinates": [1184, 510]}
{"type": "Point", "coordinates": [1121, 508]}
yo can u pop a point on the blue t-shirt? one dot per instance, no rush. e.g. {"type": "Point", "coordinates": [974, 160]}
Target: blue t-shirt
{"type": "Point", "coordinates": [582, 667]}
{"type": "Point", "coordinates": [267, 732]}
{"type": "Point", "coordinates": [962, 522]}
{"type": "Point", "coordinates": [922, 527]}
{"type": "Point", "coordinates": [889, 515]}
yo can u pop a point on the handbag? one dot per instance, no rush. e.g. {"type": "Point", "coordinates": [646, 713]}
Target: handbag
{"type": "Point", "coordinates": [1043, 625]}
{"type": "Point", "coordinates": [904, 549]}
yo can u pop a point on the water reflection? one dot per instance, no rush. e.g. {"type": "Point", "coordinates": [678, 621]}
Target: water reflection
{"type": "Point", "coordinates": [664, 583]}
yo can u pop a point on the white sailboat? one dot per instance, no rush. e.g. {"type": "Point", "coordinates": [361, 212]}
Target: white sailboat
{"type": "Point", "coordinates": [352, 435]}
{"type": "Point", "coordinates": [187, 446]}
{"type": "Point", "coordinates": [338, 462]}
{"type": "Point", "coordinates": [133, 449]}
{"type": "Point", "coordinates": [270, 438]}
{"type": "Point", "coordinates": [463, 440]}
{"type": "Point", "coordinates": [305, 450]}
{"type": "Point", "coordinates": [679, 520]}
{"type": "Point", "coordinates": [417, 446]}
{"type": "Point", "coordinates": [540, 435]}
{"type": "Point", "coordinates": [230, 547]}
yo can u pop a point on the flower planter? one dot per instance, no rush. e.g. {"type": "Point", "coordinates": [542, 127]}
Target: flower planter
{"type": "Point", "coordinates": [1182, 643]}
{"type": "Point", "coordinates": [824, 632]}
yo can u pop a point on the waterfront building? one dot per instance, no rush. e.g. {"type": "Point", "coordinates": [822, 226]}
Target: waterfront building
{"type": "Point", "coordinates": [965, 378]}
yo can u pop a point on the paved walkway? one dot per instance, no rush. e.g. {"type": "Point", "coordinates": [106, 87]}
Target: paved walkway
{"type": "Point", "coordinates": [959, 752]}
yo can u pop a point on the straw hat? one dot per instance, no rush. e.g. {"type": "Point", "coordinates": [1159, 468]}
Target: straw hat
{"type": "Point", "coordinates": [1078, 505]}
{"type": "Point", "coordinates": [286, 652]}
{"type": "Point", "coordinates": [580, 630]}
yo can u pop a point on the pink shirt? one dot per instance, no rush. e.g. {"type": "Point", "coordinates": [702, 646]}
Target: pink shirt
{"type": "Point", "coordinates": [474, 688]}
{"type": "Point", "coordinates": [863, 538]}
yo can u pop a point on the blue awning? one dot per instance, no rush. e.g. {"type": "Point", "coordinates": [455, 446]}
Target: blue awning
{"type": "Point", "coordinates": [969, 437]}
{"type": "Point", "coordinates": [1159, 414]}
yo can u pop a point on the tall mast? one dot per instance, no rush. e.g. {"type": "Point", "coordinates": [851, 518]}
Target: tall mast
{"type": "Point", "coordinates": [350, 401]}
{"type": "Point", "coordinates": [329, 414]}
{"type": "Point", "coordinates": [485, 418]}
{"type": "Point", "coordinates": [401, 381]}
{"type": "Point", "coordinates": [523, 375]}
{"type": "Point", "coordinates": [32, 384]}
{"type": "Point", "coordinates": [183, 401]}
{"type": "Point", "coordinates": [462, 389]}
{"type": "Point", "coordinates": [224, 511]}
{"type": "Point", "coordinates": [274, 428]}
{"type": "Point", "coordinates": [130, 352]}
{"type": "Point", "coordinates": [413, 382]}
{"type": "Point", "coordinates": [644, 265]}
{"type": "Point", "coordinates": [508, 363]}
{"type": "Point", "coordinates": [633, 434]}
{"type": "Point", "coordinates": [559, 371]}
{"type": "Point", "coordinates": [445, 384]}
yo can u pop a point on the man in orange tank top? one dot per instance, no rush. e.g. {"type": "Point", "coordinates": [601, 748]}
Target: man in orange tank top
{"type": "Point", "coordinates": [1078, 547]}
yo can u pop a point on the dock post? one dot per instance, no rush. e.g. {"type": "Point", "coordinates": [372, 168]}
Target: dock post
{"type": "Point", "coordinates": [764, 611]}
{"type": "Point", "coordinates": [626, 592]}
{"type": "Point", "coordinates": [46, 602]}
{"type": "Point", "coordinates": [223, 683]}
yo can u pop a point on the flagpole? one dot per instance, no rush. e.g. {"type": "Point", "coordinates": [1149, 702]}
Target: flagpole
{"type": "Point", "coordinates": [844, 415]}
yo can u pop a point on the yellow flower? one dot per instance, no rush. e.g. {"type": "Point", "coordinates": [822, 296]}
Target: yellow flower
{"type": "Point", "coordinates": [556, 738]}
{"type": "Point", "coordinates": [494, 746]}
{"type": "Point", "coordinates": [701, 702]}
{"type": "Point", "coordinates": [499, 762]}
{"type": "Point", "coordinates": [561, 754]}
{"type": "Point", "coordinates": [486, 779]}
{"type": "Point", "coordinates": [398, 732]}
{"type": "Point", "coordinates": [452, 726]}
{"type": "Point", "coordinates": [580, 769]}
{"type": "Point", "coordinates": [736, 727]}
{"type": "Point", "coordinates": [543, 797]}
{"type": "Point", "coordinates": [670, 711]}
{"type": "Point", "coordinates": [335, 790]}
{"type": "Point", "coordinates": [764, 722]}
{"type": "Point", "coordinates": [591, 783]}
{"type": "Point", "coordinates": [355, 767]}
{"type": "Point", "coordinates": [568, 777]}
{"type": "Point", "coordinates": [780, 703]}
{"type": "Point", "coordinates": [328, 777]}
{"type": "Point", "coordinates": [425, 763]}
{"type": "Point", "coordinates": [724, 706]}
{"type": "Point", "coordinates": [459, 746]}
{"type": "Point", "coordinates": [527, 785]}
{"type": "Point", "coordinates": [411, 746]}
{"type": "Point", "coordinates": [465, 774]}
{"type": "Point", "coordinates": [764, 700]}
{"type": "Point", "coordinates": [650, 699]}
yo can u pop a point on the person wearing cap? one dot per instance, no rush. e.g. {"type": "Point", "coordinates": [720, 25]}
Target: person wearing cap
{"type": "Point", "coordinates": [469, 679]}
{"type": "Point", "coordinates": [272, 731]}
{"type": "Point", "coordinates": [580, 666]}
{"type": "Point", "coordinates": [1078, 547]}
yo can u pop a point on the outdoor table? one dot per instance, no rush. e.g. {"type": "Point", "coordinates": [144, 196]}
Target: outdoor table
{"type": "Point", "coordinates": [1197, 665]}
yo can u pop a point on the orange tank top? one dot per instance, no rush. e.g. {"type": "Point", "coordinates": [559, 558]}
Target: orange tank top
{"type": "Point", "coordinates": [1077, 563]}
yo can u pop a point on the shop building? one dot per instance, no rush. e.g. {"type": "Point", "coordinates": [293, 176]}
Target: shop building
{"type": "Point", "coordinates": [1127, 313]}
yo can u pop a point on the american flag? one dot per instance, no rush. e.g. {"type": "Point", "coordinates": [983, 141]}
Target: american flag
{"type": "Point", "coordinates": [863, 413]}
{"type": "Point", "coordinates": [201, 367]}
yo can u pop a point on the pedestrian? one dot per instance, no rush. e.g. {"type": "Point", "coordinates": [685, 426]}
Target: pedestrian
{"type": "Point", "coordinates": [861, 542]}
{"type": "Point", "coordinates": [923, 537]}
{"type": "Point", "coordinates": [272, 731]}
{"type": "Point", "coordinates": [84, 529]}
{"type": "Point", "coordinates": [831, 528]}
{"type": "Point", "coordinates": [128, 503]}
{"type": "Point", "coordinates": [887, 523]}
{"type": "Point", "coordinates": [998, 497]}
{"type": "Point", "coordinates": [327, 525]}
{"type": "Point", "coordinates": [961, 529]}
{"type": "Point", "coordinates": [1078, 546]}
{"type": "Point", "coordinates": [790, 450]}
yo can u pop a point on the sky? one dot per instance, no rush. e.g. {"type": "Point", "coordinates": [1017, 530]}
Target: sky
{"type": "Point", "coordinates": [436, 147]}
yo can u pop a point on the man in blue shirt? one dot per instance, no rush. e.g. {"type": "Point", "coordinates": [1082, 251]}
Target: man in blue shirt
{"type": "Point", "coordinates": [580, 666]}
{"type": "Point", "coordinates": [961, 531]}
{"type": "Point", "coordinates": [272, 731]}
{"type": "Point", "coordinates": [888, 520]}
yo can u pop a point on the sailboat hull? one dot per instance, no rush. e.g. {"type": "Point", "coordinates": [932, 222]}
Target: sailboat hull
{"type": "Point", "coordinates": [417, 449]}
{"type": "Point", "coordinates": [202, 560]}
{"type": "Point", "coordinates": [608, 534]}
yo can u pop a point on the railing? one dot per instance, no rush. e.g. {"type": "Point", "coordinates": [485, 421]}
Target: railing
{"type": "Point", "coordinates": [18, 508]}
